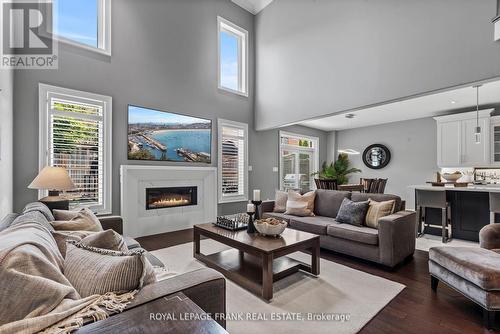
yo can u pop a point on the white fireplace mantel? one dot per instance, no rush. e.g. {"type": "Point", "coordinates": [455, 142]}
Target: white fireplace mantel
{"type": "Point", "coordinates": [137, 221]}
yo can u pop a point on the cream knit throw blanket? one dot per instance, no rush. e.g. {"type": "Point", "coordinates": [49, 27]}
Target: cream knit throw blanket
{"type": "Point", "coordinates": [34, 294]}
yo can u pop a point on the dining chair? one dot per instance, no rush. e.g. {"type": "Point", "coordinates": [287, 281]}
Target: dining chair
{"type": "Point", "coordinates": [373, 186]}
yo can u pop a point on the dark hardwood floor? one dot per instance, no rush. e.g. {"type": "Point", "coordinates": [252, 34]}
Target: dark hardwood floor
{"type": "Point", "coordinates": [417, 309]}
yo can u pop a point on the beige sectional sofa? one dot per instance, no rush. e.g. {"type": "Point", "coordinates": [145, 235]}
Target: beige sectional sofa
{"type": "Point", "coordinates": [205, 287]}
{"type": "Point", "coordinates": [389, 245]}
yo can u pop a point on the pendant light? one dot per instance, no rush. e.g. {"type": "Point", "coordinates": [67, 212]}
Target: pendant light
{"type": "Point", "coordinates": [477, 134]}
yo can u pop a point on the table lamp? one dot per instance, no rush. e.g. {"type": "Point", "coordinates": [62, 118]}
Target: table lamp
{"type": "Point", "coordinates": [55, 180]}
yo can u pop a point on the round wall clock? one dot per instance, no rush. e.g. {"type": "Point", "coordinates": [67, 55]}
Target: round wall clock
{"type": "Point", "coordinates": [376, 156]}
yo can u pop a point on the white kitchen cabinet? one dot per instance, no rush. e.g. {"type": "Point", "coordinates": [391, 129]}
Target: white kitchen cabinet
{"type": "Point", "coordinates": [456, 142]}
{"type": "Point", "coordinates": [495, 140]}
{"type": "Point", "coordinates": [449, 143]}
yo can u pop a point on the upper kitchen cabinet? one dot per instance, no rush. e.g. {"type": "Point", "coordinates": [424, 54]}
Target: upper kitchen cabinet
{"type": "Point", "coordinates": [495, 140]}
{"type": "Point", "coordinates": [448, 141]}
{"type": "Point", "coordinates": [456, 142]}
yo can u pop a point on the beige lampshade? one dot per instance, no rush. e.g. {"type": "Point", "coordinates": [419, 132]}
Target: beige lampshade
{"type": "Point", "coordinates": [53, 178]}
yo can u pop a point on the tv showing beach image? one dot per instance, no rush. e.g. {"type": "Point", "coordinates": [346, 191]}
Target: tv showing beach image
{"type": "Point", "coordinates": [164, 136]}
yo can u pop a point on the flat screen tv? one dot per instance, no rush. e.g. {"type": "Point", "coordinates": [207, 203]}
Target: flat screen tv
{"type": "Point", "coordinates": [164, 136]}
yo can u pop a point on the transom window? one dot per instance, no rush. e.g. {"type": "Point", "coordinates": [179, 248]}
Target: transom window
{"type": "Point", "coordinates": [299, 158]}
{"type": "Point", "coordinates": [233, 58]}
{"type": "Point", "coordinates": [86, 23]}
{"type": "Point", "coordinates": [75, 133]}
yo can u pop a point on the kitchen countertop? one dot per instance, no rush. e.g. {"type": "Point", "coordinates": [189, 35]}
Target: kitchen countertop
{"type": "Point", "coordinates": [492, 188]}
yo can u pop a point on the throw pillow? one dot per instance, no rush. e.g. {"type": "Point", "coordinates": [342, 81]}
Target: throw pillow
{"type": "Point", "coordinates": [280, 201]}
{"type": "Point", "coordinates": [83, 220]}
{"type": "Point", "coordinates": [377, 210]}
{"type": "Point", "coordinates": [93, 270]}
{"type": "Point", "coordinates": [300, 205]}
{"type": "Point", "coordinates": [352, 212]}
{"type": "Point", "coordinates": [62, 236]}
{"type": "Point", "coordinates": [65, 214]}
{"type": "Point", "coordinates": [108, 239]}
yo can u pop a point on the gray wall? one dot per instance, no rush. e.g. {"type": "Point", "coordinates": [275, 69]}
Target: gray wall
{"type": "Point", "coordinates": [317, 57]}
{"type": "Point", "coordinates": [413, 146]}
{"type": "Point", "coordinates": [6, 138]}
{"type": "Point", "coordinates": [169, 65]}
{"type": "Point", "coordinates": [164, 56]}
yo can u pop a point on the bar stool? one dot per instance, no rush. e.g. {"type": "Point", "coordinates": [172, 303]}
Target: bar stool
{"type": "Point", "coordinates": [494, 206]}
{"type": "Point", "coordinates": [433, 199]}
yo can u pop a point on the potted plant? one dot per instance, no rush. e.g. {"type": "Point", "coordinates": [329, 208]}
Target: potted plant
{"type": "Point", "coordinates": [334, 174]}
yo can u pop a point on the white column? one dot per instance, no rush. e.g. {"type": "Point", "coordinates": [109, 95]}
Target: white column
{"type": "Point", "coordinates": [331, 146]}
{"type": "Point", "coordinates": [6, 141]}
{"type": "Point", "coordinates": [497, 30]}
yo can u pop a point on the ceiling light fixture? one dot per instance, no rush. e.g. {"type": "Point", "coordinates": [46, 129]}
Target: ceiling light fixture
{"type": "Point", "coordinates": [349, 151]}
{"type": "Point", "coordinates": [453, 101]}
{"type": "Point", "coordinates": [477, 134]}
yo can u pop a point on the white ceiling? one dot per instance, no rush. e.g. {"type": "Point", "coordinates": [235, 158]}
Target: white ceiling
{"type": "Point", "coordinates": [420, 107]}
{"type": "Point", "coordinates": [253, 6]}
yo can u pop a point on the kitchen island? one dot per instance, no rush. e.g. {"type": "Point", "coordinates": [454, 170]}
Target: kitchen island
{"type": "Point", "coordinates": [470, 210]}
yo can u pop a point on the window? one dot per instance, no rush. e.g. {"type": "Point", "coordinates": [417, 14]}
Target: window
{"type": "Point", "coordinates": [75, 133]}
{"type": "Point", "coordinates": [298, 160]}
{"type": "Point", "coordinates": [233, 63]}
{"type": "Point", "coordinates": [86, 23]}
{"type": "Point", "coordinates": [233, 161]}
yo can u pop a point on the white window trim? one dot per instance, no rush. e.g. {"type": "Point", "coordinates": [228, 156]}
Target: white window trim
{"type": "Point", "coordinates": [235, 198]}
{"type": "Point", "coordinates": [292, 147]}
{"type": "Point", "coordinates": [103, 31]}
{"type": "Point", "coordinates": [43, 99]}
{"type": "Point", "coordinates": [229, 27]}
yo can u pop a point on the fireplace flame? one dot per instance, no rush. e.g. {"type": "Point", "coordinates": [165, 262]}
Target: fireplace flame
{"type": "Point", "coordinates": [169, 202]}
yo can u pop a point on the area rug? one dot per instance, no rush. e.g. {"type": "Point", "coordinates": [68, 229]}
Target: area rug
{"type": "Point", "coordinates": [427, 241]}
{"type": "Point", "coordinates": [340, 300]}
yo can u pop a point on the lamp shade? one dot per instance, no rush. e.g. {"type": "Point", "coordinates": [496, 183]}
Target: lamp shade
{"type": "Point", "coordinates": [52, 178]}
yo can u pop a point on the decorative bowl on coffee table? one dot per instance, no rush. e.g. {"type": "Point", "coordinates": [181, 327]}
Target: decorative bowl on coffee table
{"type": "Point", "coordinates": [270, 226]}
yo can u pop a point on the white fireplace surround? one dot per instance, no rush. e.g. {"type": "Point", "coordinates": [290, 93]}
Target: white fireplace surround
{"type": "Point", "coordinates": [138, 222]}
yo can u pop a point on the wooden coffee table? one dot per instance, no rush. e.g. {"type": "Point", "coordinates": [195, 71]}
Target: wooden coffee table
{"type": "Point", "coordinates": [138, 319]}
{"type": "Point", "coordinates": [254, 261]}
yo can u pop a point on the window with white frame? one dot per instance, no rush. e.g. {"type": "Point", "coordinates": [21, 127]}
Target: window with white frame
{"type": "Point", "coordinates": [75, 133]}
{"type": "Point", "coordinates": [86, 23]}
{"type": "Point", "coordinates": [233, 57]}
{"type": "Point", "coordinates": [232, 161]}
{"type": "Point", "coordinates": [299, 159]}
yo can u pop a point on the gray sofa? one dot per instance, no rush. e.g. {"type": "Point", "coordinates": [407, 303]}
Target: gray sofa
{"type": "Point", "coordinates": [205, 287]}
{"type": "Point", "coordinates": [389, 245]}
{"type": "Point", "coordinates": [474, 272]}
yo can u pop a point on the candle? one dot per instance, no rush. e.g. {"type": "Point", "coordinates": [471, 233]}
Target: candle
{"type": "Point", "coordinates": [250, 208]}
{"type": "Point", "coordinates": [256, 195]}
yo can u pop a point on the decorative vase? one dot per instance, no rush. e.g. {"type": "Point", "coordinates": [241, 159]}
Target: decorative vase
{"type": "Point", "coordinates": [251, 226]}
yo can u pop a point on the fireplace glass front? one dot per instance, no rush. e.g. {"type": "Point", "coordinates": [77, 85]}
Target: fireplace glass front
{"type": "Point", "coordinates": [170, 197]}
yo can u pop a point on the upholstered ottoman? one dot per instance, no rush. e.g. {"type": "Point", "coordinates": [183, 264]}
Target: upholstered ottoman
{"type": "Point", "coordinates": [474, 272]}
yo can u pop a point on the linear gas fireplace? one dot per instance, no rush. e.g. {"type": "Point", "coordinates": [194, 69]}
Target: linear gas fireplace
{"type": "Point", "coordinates": [171, 197]}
